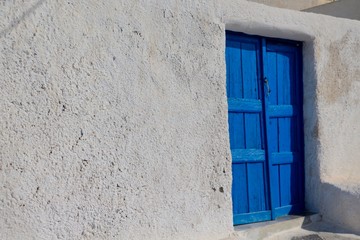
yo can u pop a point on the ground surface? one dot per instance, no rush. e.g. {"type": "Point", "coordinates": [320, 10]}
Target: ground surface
{"type": "Point", "coordinates": [315, 231]}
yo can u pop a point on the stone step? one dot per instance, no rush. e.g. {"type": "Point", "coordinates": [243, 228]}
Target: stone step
{"type": "Point", "coordinates": [258, 231]}
{"type": "Point", "coordinates": [316, 231]}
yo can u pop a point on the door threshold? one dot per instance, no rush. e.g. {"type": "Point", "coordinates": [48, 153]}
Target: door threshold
{"type": "Point", "coordinates": [262, 230]}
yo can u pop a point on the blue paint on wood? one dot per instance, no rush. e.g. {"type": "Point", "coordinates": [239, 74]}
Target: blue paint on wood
{"type": "Point", "coordinates": [244, 105]}
{"type": "Point", "coordinates": [239, 189]}
{"type": "Point", "coordinates": [285, 108]}
{"type": "Point", "coordinates": [282, 111]}
{"type": "Point", "coordinates": [237, 139]}
{"type": "Point", "coordinates": [250, 194]}
{"type": "Point", "coordinates": [288, 209]}
{"type": "Point", "coordinates": [256, 191]}
{"type": "Point", "coordinates": [284, 157]}
{"type": "Point", "coordinates": [265, 126]}
{"type": "Point", "coordinates": [285, 184]}
{"type": "Point", "coordinates": [265, 97]}
{"type": "Point", "coordinates": [252, 217]}
{"type": "Point", "coordinates": [247, 155]}
{"type": "Point", "coordinates": [275, 189]}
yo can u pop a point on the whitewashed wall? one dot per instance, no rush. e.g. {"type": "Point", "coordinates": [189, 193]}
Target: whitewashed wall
{"type": "Point", "coordinates": [331, 102]}
{"type": "Point", "coordinates": [114, 116]}
{"type": "Point", "coordinates": [293, 4]}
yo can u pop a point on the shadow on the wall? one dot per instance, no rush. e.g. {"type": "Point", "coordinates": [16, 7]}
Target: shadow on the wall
{"type": "Point", "coordinates": [311, 129]}
{"type": "Point", "coordinates": [15, 22]}
{"type": "Point", "coordinates": [345, 211]}
{"type": "Point", "coordinates": [337, 206]}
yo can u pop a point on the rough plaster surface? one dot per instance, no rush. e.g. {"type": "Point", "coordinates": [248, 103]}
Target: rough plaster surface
{"type": "Point", "coordinates": [293, 4]}
{"type": "Point", "coordinates": [331, 102]}
{"type": "Point", "coordinates": [113, 121]}
{"type": "Point", "coordinates": [114, 117]}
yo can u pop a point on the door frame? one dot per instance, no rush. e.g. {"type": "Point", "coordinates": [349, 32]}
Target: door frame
{"type": "Point", "coordinates": [300, 130]}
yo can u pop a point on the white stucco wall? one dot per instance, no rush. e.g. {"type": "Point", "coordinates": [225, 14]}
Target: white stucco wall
{"type": "Point", "coordinates": [293, 4]}
{"type": "Point", "coordinates": [331, 102]}
{"type": "Point", "coordinates": [114, 117]}
{"type": "Point", "coordinates": [113, 121]}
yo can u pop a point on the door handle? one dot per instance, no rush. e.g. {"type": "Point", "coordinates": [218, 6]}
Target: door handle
{"type": "Point", "coordinates": [266, 81]}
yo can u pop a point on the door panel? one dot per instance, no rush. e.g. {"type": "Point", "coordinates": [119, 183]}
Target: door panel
{"type": "Point", "coordinates": [264, 122]}
{"type": "Point", "coordinates": [246, 124]}
{"type": "Point", "coordinates": [284, 108]}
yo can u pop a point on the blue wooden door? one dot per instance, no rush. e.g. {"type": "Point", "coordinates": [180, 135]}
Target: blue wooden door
{"type": "Point", "coordinates": [265, 126]}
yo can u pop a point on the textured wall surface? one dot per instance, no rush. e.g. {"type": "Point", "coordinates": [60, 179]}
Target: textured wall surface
{"type": "Point", "coordinates": [331, 78]}
{"type": "Point", "coordinates": [113, 121]}
{"type": "Point", "coordinates": [293, 4]}
{"type": "Point", "coordinates": [114, 117]}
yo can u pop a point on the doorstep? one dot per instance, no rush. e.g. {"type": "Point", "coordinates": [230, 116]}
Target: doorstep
{"type": "Point", "coordinates": [261, 230]}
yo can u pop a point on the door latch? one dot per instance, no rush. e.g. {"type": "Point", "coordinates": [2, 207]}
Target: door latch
{"type": "Point", "coordinates": [266, 81]}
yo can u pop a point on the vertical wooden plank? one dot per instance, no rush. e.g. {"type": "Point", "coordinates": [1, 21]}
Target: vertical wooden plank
{"type": "Point", "coordinates": [235, 90]}
{"type": "Point", "coordinates": [266, 73]}
{"type": "Point", "coordinates": [237, 131]}
{"type": "Point", "coordinates": [250, 86]}
{"type": "Point", "coordinates": [285, 134]}
{"type": "Point", "coordinates": [239, 189]}
{"type": "Point", "coordinates": [283, 80]}
{"type": "Point", "coordinates": [253, 132]}
{"type": "Point", "coordinates": [272, 73]}
{"type": "Point", "coordinates": [263, 116]}
{"type": "Point", "coordinates": [256, 187]}
{"type": "Point", "coordinates": [256, 190]}
{"type": "Point", "coordinates": [284, 77]}
{"type": "Point", "coordinates": [250, 71]}
{"type": "Point", "coordinates": [271, 59]}
{"type": "Point", "coordinates": [233, 69]}
{"type": "Point", "coordinates": [273, 142]}
{"type": "Point", "coordinates": [284, 127]}
{"type": "Point", "coordinates": [275, 195]}
{"type": "Point", "coordinates": [273, 146]}
{"type": "Point", "coordinates": [285, 184]}
{"type": "Point", "coordinates": [283, 98]}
